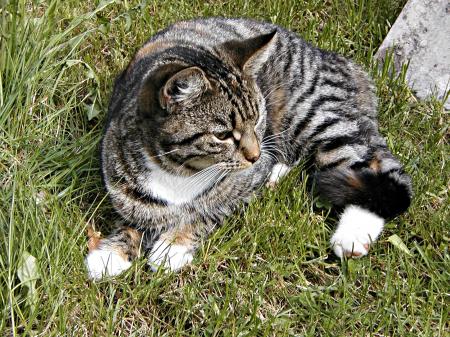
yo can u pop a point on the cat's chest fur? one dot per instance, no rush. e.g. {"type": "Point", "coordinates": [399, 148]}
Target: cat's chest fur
{"type": "Point", "coordinates": [171, 188]}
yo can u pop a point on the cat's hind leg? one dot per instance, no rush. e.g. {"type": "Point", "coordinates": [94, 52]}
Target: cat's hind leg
{"type": "Point", "coordinates": [357, 229]}
{"type": "Point", "coordinates": [369, 193]}
{"type": "Point", "coordinates": [114, 254]}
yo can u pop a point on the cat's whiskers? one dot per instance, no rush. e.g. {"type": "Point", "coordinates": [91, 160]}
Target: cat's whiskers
{"type": "Point", "coordinates": [280, 135]}
{"type": "Point", "coordinates": [265, 152]}
{"type": "Point", "coordinates": [202, 178]}
{"type": "Point", "coordinates": [270, 156]}
{"type": "Point", "coordinates": [203, 173]}
{"type": "Point", "coordinates": [206, 169]}
{"type": "Point", "coordinates": [147, 158]}
{"type": "Point", "coordinates": [163, 154]}
{"type": "Point", "coordinates": [273, 140]}
{"type": "Point", "coordinates": [269, 143]}
{"type": "Point", "coordinates": [274, 148]}
{"type": "Point", "coordinates": [275, 135]}
{"type": "Point", "coordinates": [275, 103]}
{"type": "Point", "coordinates": [179, 169]}
{"type": "Point", "coordinates": [274, 152]}
{"type": "Point", "coordinates": [224, 173]}
{"type": "Point", "coordinates": [211, 179]}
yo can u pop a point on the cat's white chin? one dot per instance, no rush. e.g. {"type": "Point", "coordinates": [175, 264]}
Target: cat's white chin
{"type": "Point", "coordinates": [358, 228]}
{"type": "Point", "coordinates": [169, 256]}
{"type": "Point", "coordinates": [103, 262]}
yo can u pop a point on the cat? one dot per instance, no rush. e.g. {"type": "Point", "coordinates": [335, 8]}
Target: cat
{"type": "Point", "coordinates": [209, 111]}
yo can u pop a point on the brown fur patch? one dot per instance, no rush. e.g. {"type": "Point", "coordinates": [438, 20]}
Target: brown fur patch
{"type": "Point", "coordinates": [375, 164]}
{"type": "Point", "coordinates": [129, 243]}
{"type": "Point", "coordinates": [94, 238]}
{"type": "Point", "coordinates": [122, 253]}
{"type": "Point", "coordinates": [276, 108]}
{"type": "Point", "coordinates": [135, 235]}
{"type": "Point", "coordinates": [152, 156]}
{"type": "Point", "coordinates": [354, 181]}
{"type": "Point", "coordinates": [182, 236]}
{"type": "Point", "coordinates": [149, 48]}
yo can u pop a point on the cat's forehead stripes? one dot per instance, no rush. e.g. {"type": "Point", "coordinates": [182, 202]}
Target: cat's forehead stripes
{"type": "Point", "coordinates": [223, 122]}
{"type": "Point", "coordinates": [245, 107]}
{"type": "Point", "coordinates": [240, 112]}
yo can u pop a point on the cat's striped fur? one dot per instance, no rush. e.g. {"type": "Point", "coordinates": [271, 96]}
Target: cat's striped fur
{"type": "Point", "coordinates": [207, 108]}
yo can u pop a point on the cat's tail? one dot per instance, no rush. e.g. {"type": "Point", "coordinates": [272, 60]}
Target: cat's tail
{"type": "Point", "coordinates": [369, 194]}
{"type": "Point", "coordinates": [386, 194]}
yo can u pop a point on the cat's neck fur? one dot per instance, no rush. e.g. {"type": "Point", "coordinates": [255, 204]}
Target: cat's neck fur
{"type": "Point", "coordinates": [172, 188]}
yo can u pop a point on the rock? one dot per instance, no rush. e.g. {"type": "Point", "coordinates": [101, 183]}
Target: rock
{"type": "Point", "coordinates": [421, 34]}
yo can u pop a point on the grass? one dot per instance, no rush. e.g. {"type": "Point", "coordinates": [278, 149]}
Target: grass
{"type": "Point", "coordinates": [268, 272]}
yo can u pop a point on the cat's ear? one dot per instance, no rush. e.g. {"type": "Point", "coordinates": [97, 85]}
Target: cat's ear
{"type": "Point", "coordinates": [249, 55]}
{"type": "Point", "coordinates": [184, 87]}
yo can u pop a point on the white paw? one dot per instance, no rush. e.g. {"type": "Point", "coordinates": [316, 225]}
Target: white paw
{"type": "Point", "coordinates": [278, 171]}
{"type": "Point", "coordinates": [358, 228]}
{"type": "Point", "coordinates": [169, 256]}
{"type": "Point", "coordinates": [103, 262]}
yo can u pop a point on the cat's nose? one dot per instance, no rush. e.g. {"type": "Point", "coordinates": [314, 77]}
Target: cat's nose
{"type": "Point", "coordinates": [252, 155]}
{"type": "Point", "coordinates": [249, 147]}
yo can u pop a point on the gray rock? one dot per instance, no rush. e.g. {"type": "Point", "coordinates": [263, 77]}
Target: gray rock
{"type": "Point", "coordinates": [421, 34]}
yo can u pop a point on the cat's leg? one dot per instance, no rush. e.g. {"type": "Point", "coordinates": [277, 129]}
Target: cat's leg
{"type": "Point", "coordinates": [370, 192]}
{"type": "Point", "coordinates": [279, 170]}
{"type": "Point", "coordinates": [174, 248]}
{"type": "Point", "coordinates": [357, 229]}
{"type": "Point", "coordinates": [114, 254]}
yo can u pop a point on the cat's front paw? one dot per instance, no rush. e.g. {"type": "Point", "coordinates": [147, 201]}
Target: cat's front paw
{"type": "Point", "coordinates": [169, 256]}
{"type": "Point", "coordinates": [278, 171]}
{"type": "Point", "coordinates": [104, 262]}
{"type": "Point", "coordinates": [358, 228]}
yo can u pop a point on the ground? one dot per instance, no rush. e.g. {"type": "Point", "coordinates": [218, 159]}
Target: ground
{"type": "Point", "coordinates": [266, 272]}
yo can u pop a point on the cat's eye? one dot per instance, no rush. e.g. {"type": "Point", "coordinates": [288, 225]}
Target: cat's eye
{"type": "Point", "coordinates": [224, 135]}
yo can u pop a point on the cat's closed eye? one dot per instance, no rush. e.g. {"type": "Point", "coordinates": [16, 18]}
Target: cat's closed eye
{"type": "Point", "coordinates": [224, 135]}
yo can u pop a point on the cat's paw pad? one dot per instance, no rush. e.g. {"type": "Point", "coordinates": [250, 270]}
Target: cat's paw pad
{"type": "Point", "coordinates": [169, 256]}
{"type": "Point", "coordinates": [103, 262]}
{"type": "Point", "coordinates": [358, 228]}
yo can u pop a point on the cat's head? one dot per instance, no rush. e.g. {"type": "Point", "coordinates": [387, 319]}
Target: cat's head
{"type": "Point", "coordinates": [211, 112]}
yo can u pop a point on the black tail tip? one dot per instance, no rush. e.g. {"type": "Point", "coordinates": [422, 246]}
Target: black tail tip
{"type": "Point", "coordinates": [387, 194]}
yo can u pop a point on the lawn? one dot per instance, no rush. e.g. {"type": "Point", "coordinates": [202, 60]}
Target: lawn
{"type": "Point", "coordinates": [266, 272]}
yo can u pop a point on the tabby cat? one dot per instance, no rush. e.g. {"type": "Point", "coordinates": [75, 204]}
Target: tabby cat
{"type": "Point", "coordinates": [209, 111]}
